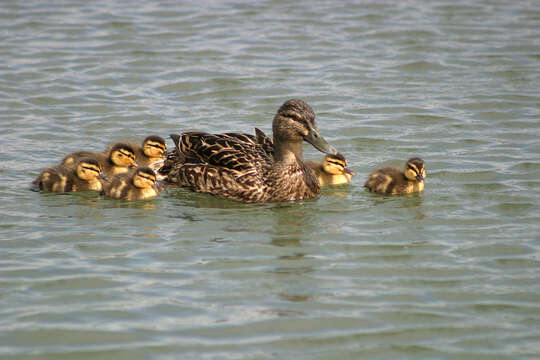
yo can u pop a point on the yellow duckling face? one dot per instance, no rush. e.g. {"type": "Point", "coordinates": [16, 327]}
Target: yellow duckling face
{"type": "Point", "coordinates": [414, 170]}
{"type": "Point", "coordinates": [144, 178]}
{"type": "Point", "coordinates": [154, 146]}
{"type": "Point", "coordinates": [336, 166]}
{"type": "Point", "coordinates": [88, 169]}
{"type": "Point", "coordinates": [122, 155]}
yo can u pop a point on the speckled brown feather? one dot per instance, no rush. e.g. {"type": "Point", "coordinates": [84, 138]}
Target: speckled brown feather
{"type": "Point", "coordinates": [237, 167]}
{"type": "Point", "coordinates": [250, 168]}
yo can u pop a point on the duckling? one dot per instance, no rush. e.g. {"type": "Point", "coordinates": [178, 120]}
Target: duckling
{"type": "Point", "coordinates": [332, 171]}
{"type": "Point", "coordinates": [392, 180]}
{"type": "Point", "coordinates": [151, 150]}
{"type": "Point", "coordinates": [116, 160]}
{"type": "Point", "coordinates": [140, 185]}
{"type": "Point", "coordinates": [85, 176]}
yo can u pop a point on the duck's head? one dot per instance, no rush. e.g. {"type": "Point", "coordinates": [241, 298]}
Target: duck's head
{"type": "Point", "coordinates": [295, 122]}
{"type": "Point", "coordinates": [336, 165]}
{"type": "Point", "coordinates": [88, 169]}
{"type": "Point", "coordinates": [414, 169]}
{"type": "Point", "coordinates": [144, 178]}
{"type": "Point", "coordinates": [122, 155]}
{"type": "Point", "coordinates": [154, 146]}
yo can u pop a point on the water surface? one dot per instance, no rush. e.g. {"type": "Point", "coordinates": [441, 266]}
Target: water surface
{"type": "Point", "coordinates": [452, 273]}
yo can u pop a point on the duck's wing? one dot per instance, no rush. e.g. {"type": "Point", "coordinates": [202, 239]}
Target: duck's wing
{"type": "Point", "coordinates": [239, 152]}
{"type": "Point", "coordinates": [265, 142]}
{"type": "Point", "coordinates": [229, 165]}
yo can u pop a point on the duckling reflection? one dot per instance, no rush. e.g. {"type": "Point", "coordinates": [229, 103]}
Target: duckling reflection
{"type": "Point", "coordinates": [391, 180]}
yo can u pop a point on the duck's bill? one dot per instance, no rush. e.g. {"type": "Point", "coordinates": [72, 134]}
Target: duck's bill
{"type": "Point", "coordinates": [420, 178]}
{"type": "Point", "coordinates": [315, 139]}
{"type": "Point", "coordinates": [349, 171]}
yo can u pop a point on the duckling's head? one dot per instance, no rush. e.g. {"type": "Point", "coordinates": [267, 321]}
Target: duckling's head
{"type": "Point", "coordinates": [154, 146]}
{"type": "Point", "coordinates": [414, 169]}
{"type": "Point", "coordinates": [88, 169]}
{"type": "Point", "coordinates": [336, 165]}
{"type": "Point", "coordinates": [144, 178]}
{"type": "Point", "coordinates": [295, 122]}
{"type": "Point", "coordinates": [122, 155]}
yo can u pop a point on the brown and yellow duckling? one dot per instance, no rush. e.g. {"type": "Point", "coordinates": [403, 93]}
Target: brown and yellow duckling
{"type": "Point", "coordinates": [85, 176]}
{"type": "Point", "coordinates": [251, 168]}
{"type": "Point", "coordinates": [151, 150]}
{"type": "Point", "coordinates": [394, 181]}
{"type": "Point", "coordinates": [332, 171]}
{"type": "Point", "coordinates": [116, 160]}
{"type": "Point", "coordinates": [139, 185]}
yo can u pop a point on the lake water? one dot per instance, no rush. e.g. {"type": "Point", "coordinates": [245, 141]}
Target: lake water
{"type": "Point", "coordinates": [453, 273]}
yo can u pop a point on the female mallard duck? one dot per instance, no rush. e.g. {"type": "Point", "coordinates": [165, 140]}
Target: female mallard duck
{"type": "Point", "coordinates": [116, 160]}
{"type": "Point", "coordinates": [392, 180]}
{"type": "Point", "coordinates": [140, 185]}
{"type": "Point", "coordinates": [152, 150]}
{"type": "Point", "coordinates": [247, 168]}
{"type": "Point", "coordinates": [85, 176]}
{"type": "Point", "coordinates": [332, 171]}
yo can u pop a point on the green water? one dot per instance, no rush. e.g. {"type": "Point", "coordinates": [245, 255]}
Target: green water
{"type": "Point", "coordinates": [452, 273]}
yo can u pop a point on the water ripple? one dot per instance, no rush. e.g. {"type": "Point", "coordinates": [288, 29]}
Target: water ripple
{"type": "Point", "coordinates": [450, 273]}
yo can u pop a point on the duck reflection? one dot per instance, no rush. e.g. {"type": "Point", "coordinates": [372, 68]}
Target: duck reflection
{"type": "Point", "coordinates": [293, 222]}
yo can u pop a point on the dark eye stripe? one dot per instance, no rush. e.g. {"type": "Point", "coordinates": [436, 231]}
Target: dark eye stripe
{"type": "Point", "coordinates": [147, 178]}
{"type": "Point", "coordinates": [159, 146]}
{"type": "Point", "coordinates": [129, 155]}
{"type": "Point", "coordinates": [90, 168]}
{"type": "Point", "coordinates": [335, 163]}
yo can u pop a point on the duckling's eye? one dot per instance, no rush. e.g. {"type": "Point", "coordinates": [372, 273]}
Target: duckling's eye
{"type": "Point", "coordinates": [122, 154]}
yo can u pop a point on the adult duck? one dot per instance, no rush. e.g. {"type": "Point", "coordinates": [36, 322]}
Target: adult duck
{"type": "Point", "coordinates": [248, 168]}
